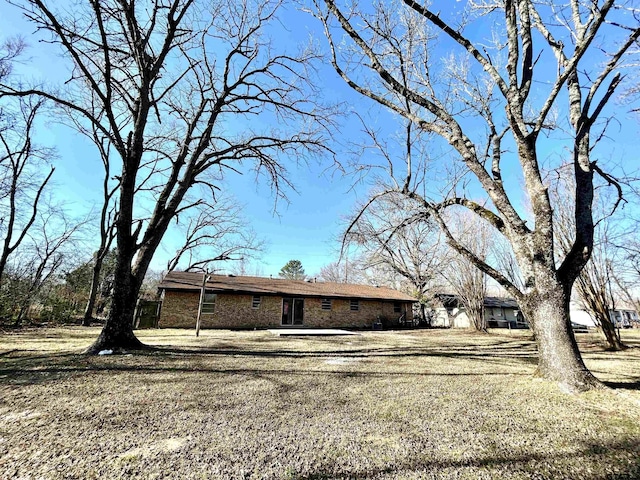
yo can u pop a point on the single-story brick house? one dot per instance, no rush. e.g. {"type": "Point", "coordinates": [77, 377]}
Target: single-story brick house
{"type": "Point", "coordinates": [254, 302]}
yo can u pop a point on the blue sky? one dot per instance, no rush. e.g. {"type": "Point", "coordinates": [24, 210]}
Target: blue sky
{"type": "Point", "coordinates": [306, 227]}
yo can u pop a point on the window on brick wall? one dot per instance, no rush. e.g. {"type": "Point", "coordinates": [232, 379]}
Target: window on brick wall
{"type": "Point", "coordinates": [326, 304]}
{"type": "Point", "coordinates": [209, 303]}
{"type": "Point", "coordinates": [354, 305]}
{"type": "Point", "coordinates": [255, 302]}
{"type": "Point", "coordinates": [397, 307]}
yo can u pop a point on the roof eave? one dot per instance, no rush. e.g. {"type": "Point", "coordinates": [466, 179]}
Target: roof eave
{"type": "Point", "coordinates": [195, 288]}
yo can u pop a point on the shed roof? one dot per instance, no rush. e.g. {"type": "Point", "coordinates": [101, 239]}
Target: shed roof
{"type": "Point", "coordinates": [192, 281]}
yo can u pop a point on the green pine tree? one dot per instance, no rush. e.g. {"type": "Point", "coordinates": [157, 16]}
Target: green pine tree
{"type": "Point", "coordinates": [293, 270]}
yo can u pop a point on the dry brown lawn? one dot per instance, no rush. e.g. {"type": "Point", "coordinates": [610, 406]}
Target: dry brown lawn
{"type": "Point", "coordinates": [384, 405]}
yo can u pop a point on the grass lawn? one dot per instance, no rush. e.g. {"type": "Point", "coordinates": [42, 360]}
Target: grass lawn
{"type": "Point", "coordinates": [235, 405]}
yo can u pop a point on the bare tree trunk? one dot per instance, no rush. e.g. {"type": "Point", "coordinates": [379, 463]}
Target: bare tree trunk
{"type": "Point", "coordinates": [93, 291]}
{"type": "Point", "coordinates": [559, 358]}
{"type": "Point", "coordinates": [423, 314]}
{"type": "Point", "coordinates": [21, 314]}
{"type": "Point", "coordinates": [477, 315]}
{"type": "Point", "coordinates": [117, 333]}
{"type": "Point", "coordinates": [614, 342]}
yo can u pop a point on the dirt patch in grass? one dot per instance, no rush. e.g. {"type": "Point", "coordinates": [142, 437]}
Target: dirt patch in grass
{"type": "Point", "coordinates": [385, 405]}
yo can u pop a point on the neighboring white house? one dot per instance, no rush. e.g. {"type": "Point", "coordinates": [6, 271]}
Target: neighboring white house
{"type": "Point", "coordinates": [504, 313]}
{"type": "Point", "coordinates": [580, 316]}
{"type": "Point", "coordinates": [499, 313]}
{"type": "Point", "coordinates": [624, 316]}
{"type": "Point", "coordinates": [449, 313]}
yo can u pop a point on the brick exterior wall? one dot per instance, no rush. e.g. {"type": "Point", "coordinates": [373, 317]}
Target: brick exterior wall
{"type": "Point", "coordinates": [180, 309]}
{"type": "Point", "coordinates": [341, 315]}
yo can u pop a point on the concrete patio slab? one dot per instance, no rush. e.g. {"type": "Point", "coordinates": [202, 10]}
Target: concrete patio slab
{"type": "Point", "coordinates": [303, 332]}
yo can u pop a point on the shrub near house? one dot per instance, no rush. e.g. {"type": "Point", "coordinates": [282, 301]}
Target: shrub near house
{"type": "Point", "coordinates": [256, 302]}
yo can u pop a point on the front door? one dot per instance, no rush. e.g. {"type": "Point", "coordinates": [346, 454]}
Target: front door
{"type": "Point", "coordinates": [292, 311]}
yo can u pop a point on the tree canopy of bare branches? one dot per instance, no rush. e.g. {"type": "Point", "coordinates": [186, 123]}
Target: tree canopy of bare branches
{"type": "Point", "coordinates": [214, 232]}
{"type": "Point", "coordinates": [185, 92]}
{"type": "Point", "coordinates": [24, 173]}
{"type": "Point", "coordinates": [409, 248]}
{"type": "Point", "coordinates": [493, 80]}
{"type": "Point", "coordinates": [468, 282]}
{"type": "Point", "coordinates": [595, 287]}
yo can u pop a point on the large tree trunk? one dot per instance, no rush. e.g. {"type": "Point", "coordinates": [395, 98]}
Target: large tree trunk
{"type": "Point", "coordinates": [117, 333]}
{"type": "Point", "coordinates": [559, 358]}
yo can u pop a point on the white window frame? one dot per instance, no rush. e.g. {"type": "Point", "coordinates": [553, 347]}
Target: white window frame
{"type": "Point", "coordinates": [209, 303]}
{"type": "Point", "coordinates": [256, 304]}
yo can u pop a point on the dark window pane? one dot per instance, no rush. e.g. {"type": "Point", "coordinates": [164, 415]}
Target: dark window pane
{"type": "Point", "coordinates": [255, 303]}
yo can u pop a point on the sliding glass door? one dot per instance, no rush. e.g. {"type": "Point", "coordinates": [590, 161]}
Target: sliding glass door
{"type": "Point", "coordinates": [292, 311]}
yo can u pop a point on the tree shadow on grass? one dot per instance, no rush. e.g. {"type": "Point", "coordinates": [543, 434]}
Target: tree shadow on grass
{"type": "Point", "coordinates": [28, 373]}
{"type": "Point", "coordinates": [18, 368]}
{"type": "Point", "coordinates": [624, 385]}
{"type": "Point", "coordinates": [526, 355]}
{"type": "Point", "coordinates": [520, 465]}
{"type": "Point", "coordinates": [21, 368]}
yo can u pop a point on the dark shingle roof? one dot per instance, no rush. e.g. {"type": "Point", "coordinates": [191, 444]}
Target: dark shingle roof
{"type": "Point", "coordinates": [268, 286]}
{"type": "Point", "coordinates": [500, 302]}
{"type": "Point", "coordinates": [451, 300]}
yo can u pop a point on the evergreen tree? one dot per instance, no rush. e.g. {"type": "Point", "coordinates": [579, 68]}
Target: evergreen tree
{"type": "Point", "coordinates": [293, 270]}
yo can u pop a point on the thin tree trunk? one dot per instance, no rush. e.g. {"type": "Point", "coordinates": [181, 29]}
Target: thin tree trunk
{"type": "Point", "coordinates": [20, 317]}
{"type": "Point", "coordinates": [611, 335]}
{"type": "Point", "coordinates": [423, 315]}
{"type": "Point", "coordinates": [476, 312]}
{"type": "Point", "coordinates": [93, 292]}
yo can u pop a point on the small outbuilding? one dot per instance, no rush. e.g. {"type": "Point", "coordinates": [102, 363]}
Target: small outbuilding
{"type": "Point", "coordinates": [230, 301]}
